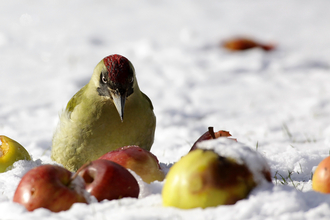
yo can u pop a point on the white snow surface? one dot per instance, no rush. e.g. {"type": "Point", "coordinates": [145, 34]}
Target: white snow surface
{"type": "Point", "coordinates": [277, 103]}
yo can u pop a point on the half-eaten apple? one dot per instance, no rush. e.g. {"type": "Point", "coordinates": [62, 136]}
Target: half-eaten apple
{"type": "Point", "coordinates": [10, 152]}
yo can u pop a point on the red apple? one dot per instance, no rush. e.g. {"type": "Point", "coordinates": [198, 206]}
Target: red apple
{"type": "Point", "coordinates": [142, 162]}
{"type": "Point", "coordinates": [108, 180]}
{"type": "Point", "coordinates": [51, 187]}
{"type": "Point", "coordinates": [210, 134]}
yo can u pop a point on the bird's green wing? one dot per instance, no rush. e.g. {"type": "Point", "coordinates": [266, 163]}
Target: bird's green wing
{"type": "Point", "coordinates": [75, 100]}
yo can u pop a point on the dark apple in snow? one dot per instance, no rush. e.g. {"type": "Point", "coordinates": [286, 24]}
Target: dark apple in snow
{"type": "Point", "coordinates": [108, 180]}
{"type": "Point", "coordinates": [51, 187]}
{"type": "Point", "coordinates": [210, 134]}
{"type": "Point", "coordinates": [142, 162]}
{"type": "Point", "coordinates": [245, 43]}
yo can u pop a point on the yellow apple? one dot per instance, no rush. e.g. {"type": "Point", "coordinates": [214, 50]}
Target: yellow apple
{"type": "Point", "coordinates": [321, 177]}
{"type": "Point", "coordinates": [218, 172]}
{"type": "Point", "coordinates": [10, 152]}
{"type": "Point", "coordinates": [202, 178]}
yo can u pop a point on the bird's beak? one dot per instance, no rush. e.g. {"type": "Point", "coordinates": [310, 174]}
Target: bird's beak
{"type": "Point", "coordinates": [119, 101]}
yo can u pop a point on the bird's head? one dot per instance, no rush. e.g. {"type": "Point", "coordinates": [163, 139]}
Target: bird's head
{"type": "Point", "coordinates": [116, 78]}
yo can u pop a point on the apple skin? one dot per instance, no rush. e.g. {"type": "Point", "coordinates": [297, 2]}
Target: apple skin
{"type": "Point", "coordinates": [203, 179]}
{"type": "Point", "coordinates": [211, 135]}
{"type": "Point", "coordinates": [244, 43]}
{"type": "Point", "coordinates": [142, 162]}
{"type": "Point", "coordinates": [321, 177]}
{"type": "Point", "coordinates": [108, 180]}
{"type": "Point", "coordinates": [51, 187]}
{"type": "Point", "coordinates": [10, 152]}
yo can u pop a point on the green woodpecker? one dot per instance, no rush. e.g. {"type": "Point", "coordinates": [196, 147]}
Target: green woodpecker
{"type": "Point", "coordinates": [90, 126]}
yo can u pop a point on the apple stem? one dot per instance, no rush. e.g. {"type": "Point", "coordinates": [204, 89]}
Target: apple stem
{"type": "Point", "coordinates": [211, 131]}
{"type": "Point", "coordinates": [74, 176]}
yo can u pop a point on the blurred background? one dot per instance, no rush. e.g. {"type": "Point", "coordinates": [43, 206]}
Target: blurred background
{"type": "Point", "coordinates": [48, 50]}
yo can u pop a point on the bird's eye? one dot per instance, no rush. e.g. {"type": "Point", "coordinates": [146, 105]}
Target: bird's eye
{"type": "Point", "coordinates": [104, 80]}
{"type": "Point", "coordinates": [131, 80]}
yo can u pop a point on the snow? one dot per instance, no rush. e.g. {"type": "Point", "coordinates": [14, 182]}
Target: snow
{"type": "Point", "coordinates": [277, 103]}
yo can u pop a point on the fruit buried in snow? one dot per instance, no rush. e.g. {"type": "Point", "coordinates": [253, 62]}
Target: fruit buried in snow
{"type": "Point", "coordinates": [10, 152]}
{"type": "Point", "coordinates": [108, 180]}
{"type": "Point", "coordinates": [210, 134]}
{"type": "Point", "coordinates": [321, 177]}
{"type": "Point", "coordinates": [51, 187]}
{"type": "Point", "coordinates": [203, 178]}
{"type": "Point", "coordinates": [220, 172]}
{"type": "Point", "coordinates": [94, 122]}
{"type": "Point", "coordinates": [142, 162]}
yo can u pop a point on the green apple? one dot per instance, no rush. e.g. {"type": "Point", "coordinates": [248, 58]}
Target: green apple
{"type": "Point", "coordinates": [10, 152]}
{"type": "Point", "coordinates": [218, 172]}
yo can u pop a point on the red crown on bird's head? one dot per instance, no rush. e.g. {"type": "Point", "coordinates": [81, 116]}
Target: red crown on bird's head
{"type": "Point", "coordinates": [119, 68]}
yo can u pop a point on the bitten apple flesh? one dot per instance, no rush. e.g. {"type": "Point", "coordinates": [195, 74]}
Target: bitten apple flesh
{"type": "Point", "coordinates": [10, 152]}
{"type": "Point", "coordinates": [142, 162]}
{"type": "Point", "coordinates": [108, 180]}
{"type": "Point", "coordinates": [51, 187]}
